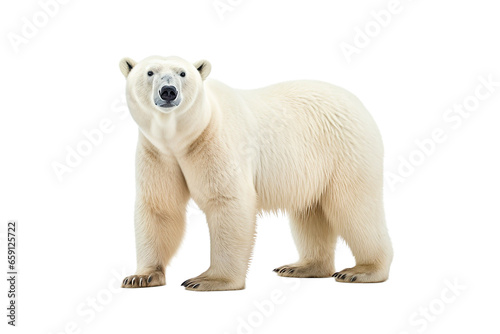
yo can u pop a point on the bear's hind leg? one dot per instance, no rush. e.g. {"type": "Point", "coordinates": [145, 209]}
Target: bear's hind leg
{"type": "Point", "coordinates": [315, 239]}
{"type": "Point", "coordinates": [360, 222]}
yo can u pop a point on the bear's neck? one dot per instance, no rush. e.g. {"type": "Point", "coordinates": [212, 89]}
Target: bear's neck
{"type": "Point", "coordinates": [177, 134]}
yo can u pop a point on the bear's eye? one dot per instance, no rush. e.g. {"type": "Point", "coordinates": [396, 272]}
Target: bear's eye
{"type": "Point", "coordinates": [150, 73]}
{"type": "Point", "coordinates": [183, 74]}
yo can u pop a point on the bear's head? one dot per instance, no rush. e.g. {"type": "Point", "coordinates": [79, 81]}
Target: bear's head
{"type": "Point", "coordinates": [164, 84]}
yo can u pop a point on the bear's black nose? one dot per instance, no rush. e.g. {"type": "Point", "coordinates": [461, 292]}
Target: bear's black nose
{"type": "Point", "coordinates": [168, 93]}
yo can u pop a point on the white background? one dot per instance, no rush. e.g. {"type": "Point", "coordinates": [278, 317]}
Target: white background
{"type": "Point", "coordinates": [77, 234]}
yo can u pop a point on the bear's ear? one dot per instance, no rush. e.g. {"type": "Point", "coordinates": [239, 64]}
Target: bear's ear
{"type": "Point", "coordinates": [126, 65]}
{"type": "Point", "coordinates": [204, 67]}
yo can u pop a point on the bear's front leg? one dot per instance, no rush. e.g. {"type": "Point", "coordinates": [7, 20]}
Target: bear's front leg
{"type": "Point", "coordinates": [231, 223]}
{"type": "Point", "coordinates": [160, 208]}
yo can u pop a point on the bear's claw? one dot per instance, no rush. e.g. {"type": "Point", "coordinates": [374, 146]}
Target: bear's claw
{"type": "Point", "coordinates": [361, 274]}
{"type": "Point", "coordinates": [304, 270]}
{"type": "Point", "coordinates": [156, 278]}
{"type": "Point", "coordinates": [202, 283]}
{"type": "Point", "coordinates": [189, 284]}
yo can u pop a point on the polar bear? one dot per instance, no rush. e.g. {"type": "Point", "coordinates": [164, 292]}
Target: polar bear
{"type": "Point", "coordinates": [307, 148]}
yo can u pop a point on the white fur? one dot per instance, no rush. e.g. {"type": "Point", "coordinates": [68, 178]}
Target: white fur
{"type": "Point", "coordinates": [306, 147]}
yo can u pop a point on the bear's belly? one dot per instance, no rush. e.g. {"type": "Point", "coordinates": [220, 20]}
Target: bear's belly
{"type": "Point", "coordinates": [288, 184]}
